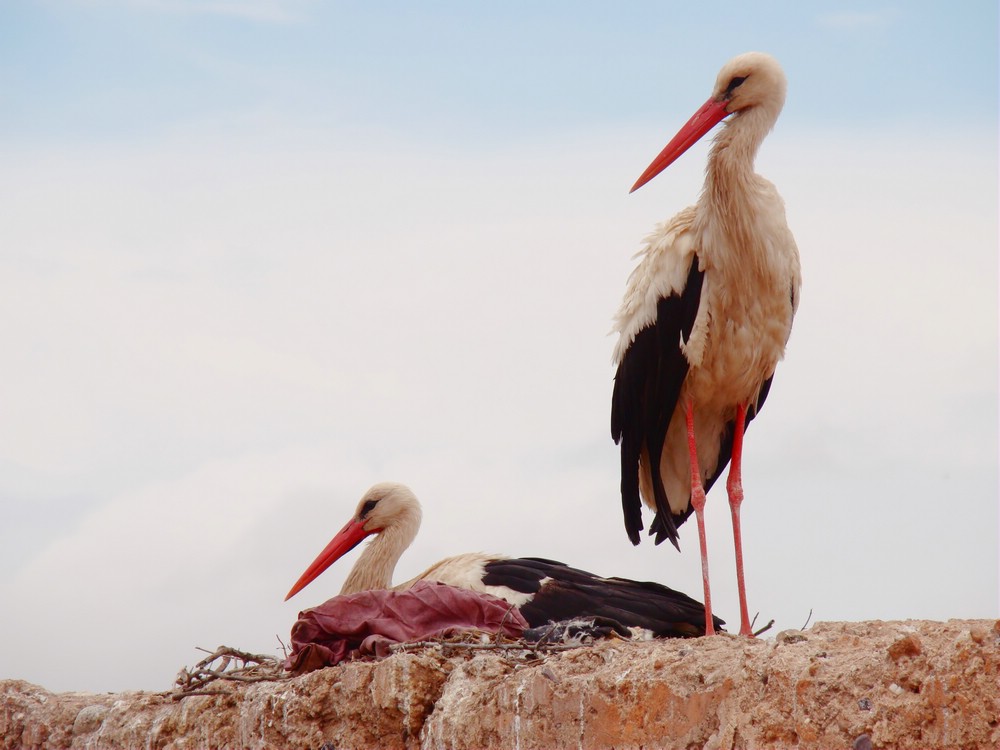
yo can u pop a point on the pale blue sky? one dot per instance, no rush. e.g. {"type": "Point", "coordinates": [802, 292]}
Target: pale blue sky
{"type": "Point", "coordinates": [256, 256]}
{"type": "Point", "coordinates": [472, 73]}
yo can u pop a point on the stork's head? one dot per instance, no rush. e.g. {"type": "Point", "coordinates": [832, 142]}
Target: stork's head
{"type": "Point", "coordinates": [387, 505]}
{"type": "Point", "coordinates": [388, 508]}
{"type": "Point", "coordinates": [751, 86]}
{"type": "Point", "coordinates": [751, 80]}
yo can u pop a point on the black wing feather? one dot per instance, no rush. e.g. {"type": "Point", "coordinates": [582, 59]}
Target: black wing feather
{"type": "Point", "coordinates": [647, 387]}
{"type": "Point", "coordinates": [569, 593]}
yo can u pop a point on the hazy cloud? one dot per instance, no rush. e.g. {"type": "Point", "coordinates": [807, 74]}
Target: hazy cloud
{"type": "Point", "coordinates": [262, 11]}
{"type": "Point", "coordinates": [860, 19]}
{"type": "Point", "coordinates": [220, 348]}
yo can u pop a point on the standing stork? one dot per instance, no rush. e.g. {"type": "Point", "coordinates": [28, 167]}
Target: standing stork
{"type": "Point", "coordinates": [543, 590]}
{"type": "Point", "coordinates": [705, 319]}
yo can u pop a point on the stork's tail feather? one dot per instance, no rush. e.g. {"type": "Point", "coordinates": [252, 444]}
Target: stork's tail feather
{"type": "Point", "coordinates": [663, 527]}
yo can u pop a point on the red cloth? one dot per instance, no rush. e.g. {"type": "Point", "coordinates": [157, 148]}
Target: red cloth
{"type": "Point", "coordinates": [368, 622]}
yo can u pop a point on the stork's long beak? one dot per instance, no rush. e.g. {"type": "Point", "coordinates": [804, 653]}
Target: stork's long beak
{"type": "Point", "coordinates": [346, 539]}
{"type": "Point", "coordinates": [711, 113]}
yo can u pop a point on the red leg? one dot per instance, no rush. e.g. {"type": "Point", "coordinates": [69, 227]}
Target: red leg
{"type": "Point", "coordinates": [698, 503]}
{"type": "Point", "coordinates": [735, 487]}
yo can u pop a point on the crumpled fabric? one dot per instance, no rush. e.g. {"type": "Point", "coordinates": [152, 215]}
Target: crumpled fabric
{"type": "Point", "coordinates": [369, 622]}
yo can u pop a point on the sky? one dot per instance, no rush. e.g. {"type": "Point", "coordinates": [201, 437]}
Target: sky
{"type": "Point", "coordinates": [257, 256]}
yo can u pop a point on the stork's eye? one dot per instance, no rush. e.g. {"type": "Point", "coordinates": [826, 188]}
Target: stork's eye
{"type": "Point", "coordinates": [734, 84]}
{"type": "Point", "coordinates": [368, 507]}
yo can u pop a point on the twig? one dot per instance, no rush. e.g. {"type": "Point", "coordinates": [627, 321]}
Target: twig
{"type": "Point", "coordinates": [233, 664]}
{"type": "Point", "coordinates": [806, 623]}
{"type": "Point", "coordinates": [236, 676]}
{"type": "Point", "coordinates": [517, 646]}
{"type": "Point", "coordinates": [503, 621]}
{"type": "Point", "coordinates": [227, 653]}
{"type": "Point", "coordinates": [763, 629]}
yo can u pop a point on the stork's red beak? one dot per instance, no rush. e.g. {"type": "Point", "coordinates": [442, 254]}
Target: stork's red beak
{"type": "Point", "coordinates": [706, 118]}
{"type": "Point", "coordinates": [346, 539]}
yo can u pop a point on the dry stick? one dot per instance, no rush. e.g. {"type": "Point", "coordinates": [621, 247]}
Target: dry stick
{"type": "Point", "coordinates": [237, 677]}
{"type": "Point", "coordinates": [229, 652]}
{"type": "Point", "coordinates": [503, 622]}
{"type": "Point", "coordinates": [191, 681]}
{"type": "Point", "coordinates": [806, 624]}
{"type": "Point", "coordinates": [284, 648]}
{"type": "Point", "coordinates": [763, 629]}
{"type": "Point", "coordinates": [485, 646]}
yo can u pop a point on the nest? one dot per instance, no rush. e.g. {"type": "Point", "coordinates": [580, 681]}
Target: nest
{"type": "Point", "coordinates": [231, 664]}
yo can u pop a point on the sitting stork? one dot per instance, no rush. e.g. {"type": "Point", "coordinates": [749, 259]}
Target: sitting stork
{"type": "Point", "coordinates": [543, 590]}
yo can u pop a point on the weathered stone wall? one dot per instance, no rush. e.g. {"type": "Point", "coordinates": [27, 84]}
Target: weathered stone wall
{"type": "Point", "coordinates": [914, 684]}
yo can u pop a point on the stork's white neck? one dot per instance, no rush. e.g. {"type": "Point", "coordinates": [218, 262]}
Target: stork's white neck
{"type": "Point", "coordinates": [735, 148]}
{"type": "Point", "coordinates": [732, 187]}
